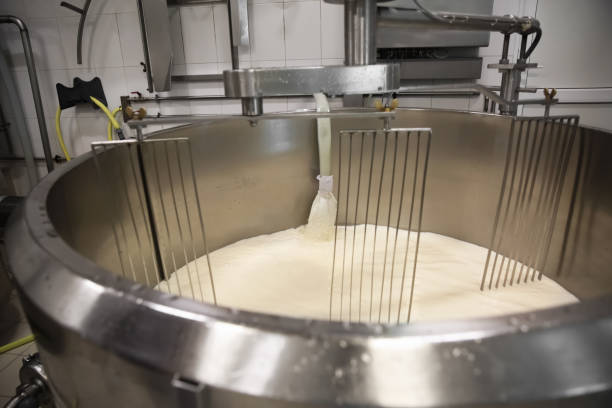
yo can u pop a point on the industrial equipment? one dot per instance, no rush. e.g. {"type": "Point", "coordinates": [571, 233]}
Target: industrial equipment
{"type": "Point", "coordinates": [113, 253]}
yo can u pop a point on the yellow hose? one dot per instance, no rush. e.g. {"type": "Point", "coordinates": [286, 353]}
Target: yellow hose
{"type": "Point", "coordinates": [106, 111]}
{"type": "Point", "coordinates": [16, 343]}
{"type": "Point", "coordinates": [112, 122]}
{"type": "Point", "coordinates": [58, 130]}
{"type": "Point", "coordinates": [109, 130]}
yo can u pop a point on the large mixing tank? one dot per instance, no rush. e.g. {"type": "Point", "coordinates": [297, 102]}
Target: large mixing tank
{"type": "Point", "coordinates": [106, 341]}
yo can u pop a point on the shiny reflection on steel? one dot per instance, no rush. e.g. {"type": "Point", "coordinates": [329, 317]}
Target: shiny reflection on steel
{"type": "Point", "coordinates": [252, 106]}
{"type": "Point", "coordinates": [303, 114]}
{"type": "Point", "coordinates": [331, 80]}
{"type": "Point", "coordinates": [360, 32]}
{"type": "Point", "coordinates": [405, 153]}
{"type": "Point", "coordinates": [537, 158]}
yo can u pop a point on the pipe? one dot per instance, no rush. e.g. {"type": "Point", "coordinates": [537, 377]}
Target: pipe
{"type": "Point", "coordinates": [83, 13]}
{"type": "Point", "coordinates": [360, 32]}
{"type": "Point", "coordinates": [17, 343]}
{"type": "Point", "coordinates": [234, 48]}
{"type": "Point", "coordinates": [503, 24]}
{"type": "Point", "coordinates": [29, 57]}
{"type": "Point", "coordinates": [16, 112]}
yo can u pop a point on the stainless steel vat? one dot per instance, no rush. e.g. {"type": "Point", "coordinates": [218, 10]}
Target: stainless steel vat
{"type": "Point", "coordinates": [106, 341]}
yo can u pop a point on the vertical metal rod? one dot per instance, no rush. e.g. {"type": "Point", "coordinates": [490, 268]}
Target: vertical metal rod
{"type": "Point", "coordinates": [524, 213]}
{"type": "Point", "coordinates": [520, 188]}
{"type": "Point", "coordinates": [382, 285]}
{"type": "Point", "coordinates": [124, 235]}
{"type": "Point", "coordinates": [380, 184]}
{"type": "Point", "coordinates": [165, 218]}
{"type": "Point", "coordinates": [538, 224]}
{"type": "Point", "coordinates": [510, 194]}
{"type": "Point", "coordinates": [499, 205]}
{"type": "Point", "coordinates": [365, 224]}
{"type": "Point", "coordinates": [145, 46]}
{"type": "Point", "coordinates": [189, 227]}
{"type": "Point", "coordinates": [331, 292]}
{"type": "Point", "coordinates": [397, 225]}
{"type": "Point", "coordinates": [178, 221]}
{"type": "Point", "coordinates": [126, 191]}
{"type": "Point", "coordinates": [504, 60]}
{"type": "Point", "coordinates": [564, 165]}
{"type": "Point", "coordinates": [234, 48]}
{"type": "Point", "coordinates": [201, 218]}
{"type": "Point", "coordinates": [532, 220]}
{"type": "Point", "coordinates": [360, 32]}
{"type": "Point", "coordinates": [355, 223]}
{"type": "Point", "coordinates": [574, 199]}
{"type": "Point", "coordinates": [38, 106]}
{"type": "Point", "coordinates": [525, 169]}
{"type": "Point", "coordinates": [112, 218]}
{"type": "Point", "coordinates": [348, 189]}
{"type": "Point", "coordinates": [144, 214]}
{"type": "Point", "coordinates": [420, 223]}
{"type": "Point", "coordinates": [412, 198]}
{"type": "Point", "coordinates": [150, 215]}
{"type": "Point", "coordinates": [524, 201]}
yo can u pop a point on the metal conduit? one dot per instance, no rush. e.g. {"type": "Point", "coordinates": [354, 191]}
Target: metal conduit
{"type": "Point", "coordinates": [29, 58]}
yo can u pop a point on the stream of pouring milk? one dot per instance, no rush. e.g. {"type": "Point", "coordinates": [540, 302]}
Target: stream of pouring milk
{"type": "Point", "coordinates": [289, 273]}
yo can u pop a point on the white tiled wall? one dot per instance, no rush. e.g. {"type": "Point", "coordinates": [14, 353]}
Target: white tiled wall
{"type": "Point", "coordinates": [282, 33]}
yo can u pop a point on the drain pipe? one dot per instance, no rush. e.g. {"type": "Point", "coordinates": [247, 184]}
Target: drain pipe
{"type": "Point", "coordinates": [29, 57]}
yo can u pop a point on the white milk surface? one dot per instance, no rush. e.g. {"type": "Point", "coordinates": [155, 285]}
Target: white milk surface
{"type": "Point", "coordinates": [289, 273]}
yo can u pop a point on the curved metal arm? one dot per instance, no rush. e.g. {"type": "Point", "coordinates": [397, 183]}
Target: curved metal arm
{"type": "Point", "coordinates": [38, 106]}
{"type": "Point", "coordinates": [83, 13]}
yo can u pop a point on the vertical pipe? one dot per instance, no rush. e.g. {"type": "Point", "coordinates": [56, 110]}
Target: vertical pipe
{"type": "Point", "coordinates": [234, 48]}
{"type": "Point", "coordinates": [40, 113]}
{"type": "Point", "coordinates": [360, 32]}
{"type": "Point", "coordinates": [505, 74]}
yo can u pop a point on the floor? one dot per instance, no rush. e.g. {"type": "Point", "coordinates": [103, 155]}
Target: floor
{"type": "Point", "coordinates": [13, 326]}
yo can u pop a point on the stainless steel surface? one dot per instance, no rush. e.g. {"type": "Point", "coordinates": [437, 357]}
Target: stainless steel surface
{"type": "Point", "coordinates": [239, 23]}
{"type": "Point", "coordinates": [29, 57]}
{"type": "Point", "coordinates": [331, 80]}
{"type": "Point", "coordinates": [534, 177]}
{"type": "Point", "coordinates": [157, 47]}
{"type": "Point", "coordinates": [405, 153]}
{"type": "Point", "coordinates": [106, 341]}
{"type": "Point", "coordinates": [360, 32]}
{"type": "Point", "coordinates": [302, 114]}
{"type": "Point", "coordinates": [252, 106]}
{"type": "Point", "coordinates": [417, 31]}
{"type": "Point", "coordinates": [154, 167]}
